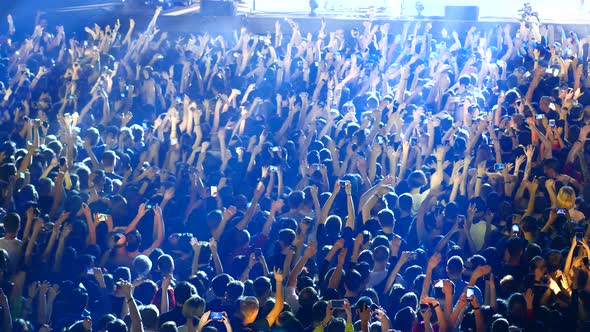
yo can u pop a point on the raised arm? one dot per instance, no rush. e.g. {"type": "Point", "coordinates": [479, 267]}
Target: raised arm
{"type": "Point", "coordinates": [273, 315]}
{"type": "Point", "coordinates": [136, 322]}
{"type": "Point", "coordinates": [159, 222]}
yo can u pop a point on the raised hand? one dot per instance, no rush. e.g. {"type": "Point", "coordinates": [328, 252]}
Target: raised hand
{"type": "Point", "coordinates": [278, 274]}
{"type": "Point", "coordinates": [311, 250]}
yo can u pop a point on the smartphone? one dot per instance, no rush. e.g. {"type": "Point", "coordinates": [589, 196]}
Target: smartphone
{"type": "Point", "coordinates": [257, 252]}
{"type": "Point", "coordinates": [216, 315]}
{"type": "Point", "coordinates": [579, 236]}
{"type": "Point", "coordinates": [539, 116]}
{"type": "Point", "coordinates": [469, 293]}
{"type": "Point", "coordinates": [552, 106]}
{"type": "Point", "coordinates": [213, 191]}
{"type": "Point", "coordinates": [561, 211]}
{"type": "Point", "coordinates": [149, 206]}
{"type": "Point", "coordinates": [274, 168]}
{"type": "Point", "coordinates": [45, 124]}
{"type": "Point", "coordinates": [515, 229]}
{"type": "Point", "coordinates": [22, 175]}
{"type": "Point", "coordinates": [366, 236]}
{"type": "Point", "coordinates": [275, 149]}
{"type": "Point", "coordinates": [374, 307]}
{"type": "Point", "coordinates": [438, 290]}
{"type": "Point", "coordinates": [499, 167]}
{"type": "Point", "coordinates": [380, 140]}
{"type": "Point", "coordinates": [461, 220]}
{"type": "Point", "coordinates": [413, 141]}
{"type": "Point", "coordinates": [552, 123]}
{"type": "Point", "coordinates": [90, 272]}
{"type": "Point", "coordinates": [101, 217]}
{"type": "Point", "coordinates": [424, 307]}
{"type": "Point", "coordinates": [337, 303]}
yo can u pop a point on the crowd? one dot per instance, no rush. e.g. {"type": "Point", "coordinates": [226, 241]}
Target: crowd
{"type": "Point", "coordinates": [342, 180]}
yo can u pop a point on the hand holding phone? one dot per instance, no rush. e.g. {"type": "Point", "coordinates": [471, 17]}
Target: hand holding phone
{"type": "Point", "coordinates": [469, 293]}
{"type": "Point", "coordinates": [217, 316]}
{"type": "Point", "coordinates": [337, 304]}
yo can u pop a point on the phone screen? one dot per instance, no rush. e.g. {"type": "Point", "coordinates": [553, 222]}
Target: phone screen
{"type": "Point", "coordinates": [213, 191]}
{"type": "Point", "coordinates": [469, 293]}
{"type": "Point", "coordinates": [337, 303]}
{"type": "Point", "coordinates": [216, 315]}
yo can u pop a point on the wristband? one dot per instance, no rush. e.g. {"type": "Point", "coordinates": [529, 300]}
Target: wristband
{"type": "Point", "coordinates": [436, 306]}
{"type": "Point", "coordinates": [130, 299]}
{"type": "Point", "coordinates": [476, 308]}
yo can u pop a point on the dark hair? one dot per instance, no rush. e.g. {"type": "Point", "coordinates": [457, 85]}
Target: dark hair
{"type": "Point", "coordinates": [183, 292]}
{"type": "Point", "coordinates": [219, 284]}
{"type": "Point", "coordinates": [262, 286]}
{"type": "Point", "coordinates": [386, 218]}
{"type": "Point", "coordinates": [455, 265]}
{"type": "Point", "coordinates": [11, 223]}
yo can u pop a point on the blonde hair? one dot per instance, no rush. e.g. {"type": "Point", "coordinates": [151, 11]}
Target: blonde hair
{"type": "Point", "coordinates": [193, 307]}
{"type": "Point", "coordinates": [566, 198]}
{"type": "Point", "coordinates": [249, 305]}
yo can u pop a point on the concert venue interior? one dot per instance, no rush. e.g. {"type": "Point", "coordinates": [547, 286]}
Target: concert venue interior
{"type": "Point", "coordinates": [314, 165]}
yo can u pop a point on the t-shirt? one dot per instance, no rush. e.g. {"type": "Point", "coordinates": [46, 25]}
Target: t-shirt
{"type": "Point", "coordinates": [376, 277]}
{"type": "Point", "coordinates": [14, 249]}
{"type": "Point", "coordinates": [174, 315]}
{"type": "Point", "coordinates": [478, 233]}
{"type": "Point", "coordinates": [417, 200]}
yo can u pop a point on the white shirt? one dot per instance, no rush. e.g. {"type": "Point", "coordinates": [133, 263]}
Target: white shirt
{"type": "Point", "coordinates": [14, 249]}
{"type": "Point", "coordinates": [417, 200]}
{"type": "Point", "coordinates": [478, 233]}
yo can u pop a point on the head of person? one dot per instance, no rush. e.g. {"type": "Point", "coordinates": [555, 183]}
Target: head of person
{"type": "Point", "coordinates": [455, 267]}
{"type": "Point", "coordinates": [165, 264]}
{"type": "Point", "coordinates": [551, 168]}
{"type": "Point", "coordinates": [183, 292]}
{"type": "Point", "coordinates": [386, 218]}
{"type": "Point", "coordinates": [405, 319]}
{"type": "Point", "coordinates": [566, 198]}
{"type": "Point", "coordinates": [149, 316]}
{"type": "Point", "coordinates": [416, 180]}
{"type": "Point", "coordinates": [249, 307]}
{"type": "Point", "coordinates": [381, 254]}
{"type": "Point", "coordinates": [296, 199]}
{"type": "Point", "coordinates": [133, 241]}
{"type": "Point", "coordinates": [141, 266]}
{"type": "Point", "coordinates": [12, 223]}
{"type": "Point", "coordinates": [219, 284]}
{"type": "Point", "coordinates": [193, 308]}
{"type": "Point", "coordinates": [109, 159]}
{"type": "Point", "coordinates": [262, 287]}
{"type": "Point", "coordinates": [116, 326]}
